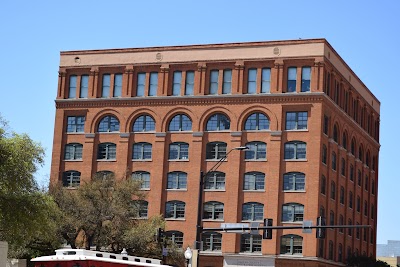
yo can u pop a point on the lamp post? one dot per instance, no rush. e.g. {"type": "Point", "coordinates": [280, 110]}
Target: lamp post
{"type": "Point", "coordinates": [200, 199]}
{"type": "Point", "coordinates": [188, 256]}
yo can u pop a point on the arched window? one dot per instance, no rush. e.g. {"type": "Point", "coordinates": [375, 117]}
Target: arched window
{"type": "Point", "coordinates": [341, 222]}
{"type": "Point", "coordinates": [330, 253]}
{"type": "Point", "coordinates": [350, 200]}
{"type": "Point", "coordinates": [215, 181]}
{"type": "Point", "coordinates": [350, 230]}
{"type": "Point", "coordinates": [254, 181]}
{"type": "Point", "coordinates": [292, 212]}
{"type": "Point", "coordinates": [257, 121]}
{"type": "Point", "coordinates": [250, 243]}
{"type": "Point", "coordinates": [216, 150]}
{"type": "Point", "coordinates": [291, 244]}
{"type": "Point", "coordinates": [367, 159]}
{"type": "Point", "coordinates": [108, 124]}
{"type": "Point", "coordinates": [295, 150]}
{"type": "Point", "coordinates": [143, 177]}
{"type": "Point", "coordinates": [253, 211]}
{"type": "Point", "coordinates": [212, 241]}
{"type": "Point", "coordinates": [218, 122]}
{"type": "Point", "coordinates": [335, 134]}
{"type": "Point", "coordinates": [141, 208]}
{"type": "Point", "coordinates": [351, 172]}
{"type": "Point", "coordinates": [175, 237]}
{"type": "Point", "coordinates": [179, 151]}
{"type": "Point", "coordinates": [107, 151]}
{"type": "Point", "coordinates": [344, 140]}
{"type": "Point", "coordinates": [144, 123]}
{"type": "Point", "coordinates": [353, 147]}
{"type": "Point", "coordinates": [213, 210]}
{"type": "Point", "coordinates": [179, 123]}
{"type": "Point", "coordinates": [71, 178]}
{"type": "Point", "coordinates": [73, 151]}
{"type": "Point", "coordinates": [343, 167]}
{"type": "Point", "coordinates": [324, 154]}
{"type": "Point", "coordinates": [341, 197]}
{"type": "Point", "coordinates": [256, 150]}
{"type": "Point", "coordinates": [142, 151]}
{"type": "Point", "coordinates": [340, 253]}
{"type": "Point", "coordinates": [333, 190]}
{"type": "Point", "coordinates": [323, 185]}
{"type": "Point", "coordinates": [334, 161]}
{"type": "Point", "coordinates": [174, 209]}
{"type": "Point", "coordinates": [294, 181]}
{"type": "Point", "coordinates": [360, 153]}
{"type": "Point", "coordinates": [177, 180]}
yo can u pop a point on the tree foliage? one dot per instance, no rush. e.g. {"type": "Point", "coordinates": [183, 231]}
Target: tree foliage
{"type": "Point", "coordinates": [25, 211]}
{"type": "Point", "coordinates": [364, 261]}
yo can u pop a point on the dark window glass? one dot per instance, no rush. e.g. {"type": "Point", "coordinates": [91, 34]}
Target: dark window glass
{"type": "Point", "coordinates": [253, 211]}
{"type": "Point", "coordinates": [144, 123]}
{"type": "Point", "coordinates": [292, 212]}
{"type": "Point", "coordinates": [107, 151]}
{"type": "Point", "coordinates": [212, 241]}
{"type": "Point", "coordinates": [178, 151]}
{"type": "Point", "coordinates": [175, 210]}
{"type": "Point", "coordinates": [142, 151]}
{"type": "Point", "coordinates": [256, 151]}
{"type": "Point", "coordinates": [257, 121]}
{"type": "Point", "coordinates": [177, 180]}
{"type": "Point", "coordinates": [254, 181]}
{"type": "Point", "coordinates": [250, 243]}
{"type": "Point", "coordinates": [216, 150]}
{"type": "Point", "coordinates": [109, 124]}
{"type": "Point", "coordinates": [295, 150]}
{"type": "Point", "coordinates": [296, 120]}
{"type": "Point", "coordinates": [75, 124]}
{"type": "Point", "coordinates": [71, 178]}
{"type": "Point", "coordinates": [294, 181]}
{"type": "Point", "coordinates": [291, 80]}
{"type": "Point", "coordinates": [218, 122]}
{"type": "Point", "coordinates": [180, 122]}
{"type": "Point", "coordinates": [213, 210]}
{"type": "Point", "coordinates": [292, 245]}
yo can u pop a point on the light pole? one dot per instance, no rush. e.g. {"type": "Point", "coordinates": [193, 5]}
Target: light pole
{"type": "Point", "coordinates": [200, 199]}
{"type": "Point", "coordinates": [188, 256]}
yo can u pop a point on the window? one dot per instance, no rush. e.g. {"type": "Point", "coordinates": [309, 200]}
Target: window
{"type": "Point", "coordinates": [213, 90]}
{"type": "Point", "coordinates": [321, 249]}
{"type": "Point", "coordinates": [143, 177]}
{"type": "Point", "coordinates": [365, 208]}
{"type": "Point", "coordinates": [227, 84]}
{"type": "Point", "coordinates": [108, 124]}
{"type": "Point", "coordinates": [257, 121]}
{"type": "Point", "coordinates": [176, 86]}
{"type": "Point", "coordinates": [212, 241]}
{"type": "Point", "coordinates": [343, 167]}
{"type": "Point", "coordinates": [75, 124]}
{"type": "Point", "coordinates": [142, 151]}
{"type": "Point", "coordinates": [83, 92]}
{"type": "Point", "coordinates": [254, 181]}
{"type": "Point", "coordinates": [323, 185]}
{"type": "Point", "coordinates": [117, 85]}
{"type": "Point", "coordinates": [373, 187]}
{"type": "Point", "coordinates": [305, 79]}
{"type": "Point", "coordinates": [266, 80]}
{"type": "Point", "coordinates": [291, 244]}
{"type": "Point", "coordinates": [358, 232]}
{"type": "Point", "coordinates": [341, 197]}
{"type": "Point", "coordinates": [250, 243]}
{"type": "Point", "coordinates": [344, 141]}
{"type": "Point", "coordinates": [175, 237]}
{"type": "Point", "coordinates": [358, 204]}
{"type": "Point", "coordinates": [215, 181]}
{"type": "Point", "coordinates": [256, 150]}
{"type": "Point", "coordinates": [358, 177]}
{"type": "Point", "coordinates": [175, 210]}
{"type": "Point", "coordinates": [253, 211]}
{"type": "Point", "coordinates": [71, 178]}
{"type": "Point", "coordinates": [213, 210]}
{"type": "Point", "coordinates": [291, 80]}
{"type": "Point", "coordinates": [326, 125]}
{"type": "Point", "coordinates": [353, 147]}
{"type": "Point", "coordinates": [350, 200]}
{"type": "Point", "coordinates": [292, 212]}
{"type": "Point", "coordinates": [189, 86]}
{"type": "Point", "coordinates": [296, 120]}
{"type": "Point", "coordinates": [360, 153]}
{"type": "Point", "coordinates": [144, 123]}
{"type": "Point", "coordinates": [141, 80]}
{"type": "Point", "coordinates": [351, 172]}
{"type": "Point", "coordinates": [141, 208]}
{"type": "Point", "coordinates": [252, 81]}
{"type": "Point", "coordinates": [107, 151]}
{"type": "Point", "coordinates": [372, 212]}
{"type": "Point", "coordinates": [218, 122]}
{"type": "Point", "coordinates": [73, 151]}
{"type": "Point", "coordinates": [72, 86]}
{"type": "Point", "coordinates": [153, 84]}
{"type": "Point", "coordinates": [340, 253]}
{"type": "Point", "coordinates": [295, 150]}
{"type": "Point", "coordinates": [334, 161]}
{"type": "Point", "coordinates": [177, 180]}
{"type": "Point", "coordinates": [216, 150]}
{"type": "Point", "coordinates": [324, 154]}
{"type": "Point", "coordinates": [333, 190]}
{"type": "Point", "coordinates": [330, 253]}
{"type": "Point", "coordinates": [180, 122]}
{"type": "Point", "coordinates": [335, 134]}
{"type": "Point", "coordinates": [341, 222]}
{"type": "Point", "coordinates": [104, 176]}
{"type": "Point", "coordinates": [178, 151]}
{"type": "Point", "coordinates": [349, 230]}
{"type": "Point", "coordinates": [105, 89]}
{"type": "Point", "coordinates": [331, 218]}
{"type": "Point", "coordinates": [294, 181]}
{"type": "Point", "coordinates": [366, 184]}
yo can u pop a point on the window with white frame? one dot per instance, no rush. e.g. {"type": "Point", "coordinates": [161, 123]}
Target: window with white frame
{"type": "Point", "coordinates": [75, 124]}
{"type": "Point", "coordinates": [107, 151]}
{"type": "Point", "coordinates": [256, 151]}
{"type": "Point", "coordinates": [177, 180]}
{"type": "Point", "coordinates": [295, 150]}
{"type": "Point", "coordinates": [143, 177]}
{"type": "Point", "coordinates": [73, 151]}
{"type": "Point", "coordinates": [175, 210]}
{"type": "Point", "coordinates": [252, 211]}
{"type": "Point", "coordinates": [292, 212]}
{"type": "Point", "coordinates": [215, 181]}
{"type": "Point", "coordinates": [294, 181]}
{"type": "Point", "coordinates": [296, 120]}
{"type": "Point", "coordinates": [178, 151]}
{"type": "Point", "coordinates": [254, 181]}
{"type": "Point", "coordinates": [142, 151]}
{"type": "Point", "coordinates": [108, 124]}
{"type": "Point", "coordinates": [212, 241]}
{"type": "Point", "coordinates": [213, 210]}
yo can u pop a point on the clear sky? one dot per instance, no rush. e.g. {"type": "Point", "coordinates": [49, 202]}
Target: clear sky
{"type": "Point", "coordinates": [32, 33]}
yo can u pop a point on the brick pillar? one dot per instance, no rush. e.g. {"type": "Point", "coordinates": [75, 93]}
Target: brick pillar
{"type": "Point", "coordinates": [158, 175]}
{"type": "Point", "coordinates": [122, 156]}
{"type": "Point", "coordinates": [200, 79]}
{"type": "Point", "coordinates": [88, 155]}
{"type": "Point", "coordinates": [237, 78]}
{"type": "Point", "coordinates": [127, 81]}
{"type": "Point", "coordinates": [93, 85]}
{"type": "Point", "coordinates": [61, 83]}
{"type": "Point", "coordinates": [277, 77]}
{"type": "Point", "coordinates": [164, 79]}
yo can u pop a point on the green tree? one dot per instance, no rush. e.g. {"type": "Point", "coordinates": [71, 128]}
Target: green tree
{"type": "Point", "coordinates": [364, 261]}
{"type": "Point", "coordinates": [25, 211]}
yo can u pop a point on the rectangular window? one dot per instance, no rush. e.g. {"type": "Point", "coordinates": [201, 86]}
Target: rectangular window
{"type": "Point", "coordinates": [141, 80]}
{"type": "Point", "coordinates": [153, 84]}
{"type": "Point", "coordinates": [291, 80]}
{"type": "Point", "coordinates": [266, 80]}
{"type": "Point", "coordinates": [305, 79]}
{"type": "Point", "coordinates": [214, 82]}
{"type": "Point", "coordinates": [83, 92]}
{"type": "Point", "coordinates": [252, 81]}
{"type": "Point", "coordinates": [296, 120]}
{"type": "Point", "coordinates": [72, 87]}
{"type": "Point", "coordinates": [117, 85]}
{"type": "Point", "coordinates": [189, 86]}
{"type": "Point", "coordinates": [105, 90]}
{"type": "Point", "coordinates": [176, 86]}
{"type": "Point", "coordinates": [326, 124]}
{"type": "Point", "coordinates": [227, 84]}
{"type": "Point", "coordinates": [75, 124]}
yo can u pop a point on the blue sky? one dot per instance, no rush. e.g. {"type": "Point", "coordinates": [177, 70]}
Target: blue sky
{"type": "Point", "coordinates": [32, 33]}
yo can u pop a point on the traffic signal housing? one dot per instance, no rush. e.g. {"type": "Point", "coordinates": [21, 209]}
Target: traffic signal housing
{"type": "Point", "coordinates": [267, 233]}
{"type": "Point", "coordinates": [321, 231]}
{"type": "Point", "coordinates": [160, 235]}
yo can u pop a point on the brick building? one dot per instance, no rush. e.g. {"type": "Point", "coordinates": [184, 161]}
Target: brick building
{"type": "Point", "coordinates": [164, 114]}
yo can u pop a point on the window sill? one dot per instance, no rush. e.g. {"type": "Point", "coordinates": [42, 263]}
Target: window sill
{"type": "Point", "coordinates": [175, 219]}
{"type": "Point", "coordinates": [106, 160]}
{"type": "Point", "coordinates": [143, 132]}
{"type": "Point", "coordinates": [78, 133]}
{"type": "Point", "coordinates": [214, 190]}
{"type": "Point", "coordinates": [250, 253]}
{"type": "Point", "coordinates": [109, 132]}
{"type": "Point", "coordinates": [177, 189]}
{"type": "Point", "coordinates": [212, 220]}
{"type": "Point", "coordinates": [213, 252]}
{"type": "Point", "coordinates": [297, 130]}
{"type": "Point", "coordinates": [73, 160]}
{"type": "Point", "coordinates": [294, 191]}
{"type": "Point", "coordinates": [144, 189]}
{"type": "Point", "coordinates": [144, 160]}
{"type": "Point", "coordinates": [298, 160]}
{"type": "Point", "coordinates": [177, 160]}
{"type": "Point", "coordinates": [254, 191]}
{"type": "Point", "coordinates": [297, 222]}
{"type": "Point", "coordinates": [257, 160]}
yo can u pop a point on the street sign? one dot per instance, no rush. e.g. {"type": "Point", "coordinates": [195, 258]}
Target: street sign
{"type": "Point", "coordinates": [225, 227]}
{"type": "Point", "coordinates": [306, 227]}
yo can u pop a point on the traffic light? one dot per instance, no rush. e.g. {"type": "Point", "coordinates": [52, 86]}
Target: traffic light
{"type": "Point", "coordinates": [321, 231]}
{"type": "Point", "coordinates": [267, 233]}
{"type": "Point", "coordinates": [159, 235]}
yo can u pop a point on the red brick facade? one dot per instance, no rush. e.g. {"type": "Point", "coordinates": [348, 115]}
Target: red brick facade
{"type": "Point", "coordinates": [342, 120]}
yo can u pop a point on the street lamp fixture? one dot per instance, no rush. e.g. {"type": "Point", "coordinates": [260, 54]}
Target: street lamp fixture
{"type": "Point", "coordinates": [200, 199]}
{"type": "Point", "coordinates": [188, 255]}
